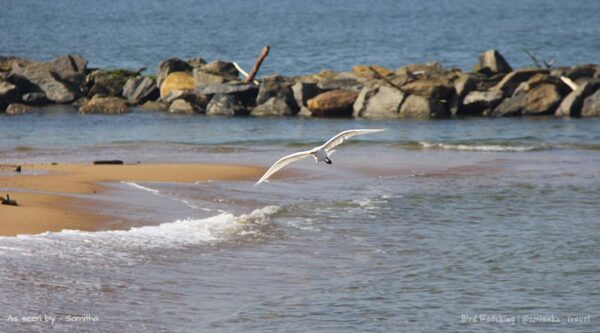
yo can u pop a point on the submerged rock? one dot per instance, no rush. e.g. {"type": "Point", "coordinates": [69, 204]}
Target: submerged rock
{"type": "Point", "coordinates": [105, 105]}
{"type": "Point", "coordinates": [18, 108]}
{"type": "Point", "coordinates": [225, 105]}
{"type": "Point", "coordinates": [275, 106]}
{"type": "Point", "coordinates": [183, 106]}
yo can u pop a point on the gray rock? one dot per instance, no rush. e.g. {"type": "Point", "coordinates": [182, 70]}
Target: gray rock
{"type": "Point", "coordinates": [67, 65]}
{"type": "Point", "coordinates": [196, 62]}
{"type": "Point", "coordinates": [9, 93]}
{"type": "Point", "coordinates": [492, 62]}
{"type": "Point", "coordinates": [183, 106]}
{"type": "Point", "coordinates": [225, 105]}
{"type": "Point", "coordinates": [105, 83]}
{"type": "Point", "coordinates": [246, 93]}
{"type": "Point", "coordinates": [476, 102]}
{"type": "Point", "coordinates": [420, 107]}
{"type": "Point", "coordinates": [276, 86]}
{"type": "Point", "coordinates": [509, 107]}
{"type": "Point", "coordinates": [463, 85]}
{"type": "Point", "coordinates": [591, 105]}
{"type": "Point", "coordinates": [203, 79]}
{"type": "Point", "coordinates": [105, 105]}
{"type": "Point", "coordinates": [18, 108]}
{"type": "Point", "coordinates": [340, 84]}
{"type": "Point", "coordinates": [378, 102]}
{"type": "Point", "coordinates": [572, 104]}
{"type": "Point", "coordinates": [35, 98]}
{"type": "Point", "coordinates": [275, 106]}
{"type": "Point", "coordinates": [511, 81]}
{"type": "Point", "coordinates": [140, 89]}
{"type": "Point", "coordinates": [45, 80]}
{"type": "Point", "coordinates": [169, 66]}
{"type": "Point", "coordinates": [219, 67]}
{"type": "Point", "coordinates": [438, 88]}
{"type": "Point", "coordinates": [303, 91]}
{"type": "Point", "coordinates": [542, 100]}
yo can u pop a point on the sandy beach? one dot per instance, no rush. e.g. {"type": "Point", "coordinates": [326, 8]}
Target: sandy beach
{"type": "Point", "coordinates": [57, 197]}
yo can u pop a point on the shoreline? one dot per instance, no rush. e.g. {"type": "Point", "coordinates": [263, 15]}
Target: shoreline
{"type": "Point", "coordinates": [57, 197]}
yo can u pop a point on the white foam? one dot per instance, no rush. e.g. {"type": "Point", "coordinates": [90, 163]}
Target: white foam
{"type": "Point", "coordinates": [490, 148]}
{"type": "Point", "coordinates": [179, 233]}
{"type": "Point", "coordinates": [140, 187]}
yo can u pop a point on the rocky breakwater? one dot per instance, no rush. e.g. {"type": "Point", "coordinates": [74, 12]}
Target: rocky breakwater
{"type": "Point", "coordinates": [491, 89]}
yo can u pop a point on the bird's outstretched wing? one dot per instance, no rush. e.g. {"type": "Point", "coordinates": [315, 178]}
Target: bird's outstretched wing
{"type": "Point", "coordinates": [345, 135]}
{"type": "Point", "coordinates": [283, 162]}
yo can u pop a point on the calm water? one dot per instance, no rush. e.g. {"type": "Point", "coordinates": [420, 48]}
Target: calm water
{"type": "Point", "coordinates": [306, 36]}
{"type": "Point", "coordinates": [409, 230]}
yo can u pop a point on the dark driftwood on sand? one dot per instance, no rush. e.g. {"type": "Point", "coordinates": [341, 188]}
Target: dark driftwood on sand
{"type": "Point", "coordinates": [8, 201]}
{"type": "Point", "coordinates": [114, 162]}
{"type": "Point", "coordinates": [256, 67]}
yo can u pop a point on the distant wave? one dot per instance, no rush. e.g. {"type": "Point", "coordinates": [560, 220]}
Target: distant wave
{"type": "Point", "coordinates": [483, 147]}
{"type": "Point", "coordinates": [180, 233]}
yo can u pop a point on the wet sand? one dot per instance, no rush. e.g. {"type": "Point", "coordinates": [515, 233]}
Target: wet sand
{"type": "Point", "coordinates": [57, 197]}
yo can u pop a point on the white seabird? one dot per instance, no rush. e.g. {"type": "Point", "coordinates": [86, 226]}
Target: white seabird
{"type": "Point", "coordinates": [320, 153]}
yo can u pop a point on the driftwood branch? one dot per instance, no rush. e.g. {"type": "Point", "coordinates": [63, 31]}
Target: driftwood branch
{"type": "Point", "coordinates": [569, 82]}
{"type": "Point", "coordinates": [243, 72]}
{"type": "Point", "coordinates": [256, 67]}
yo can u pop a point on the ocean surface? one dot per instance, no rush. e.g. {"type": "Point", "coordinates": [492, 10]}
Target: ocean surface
{"type": "Point", "coordinates": [305, 36]}
{"type": "Point", "coordinates": [417, 229]}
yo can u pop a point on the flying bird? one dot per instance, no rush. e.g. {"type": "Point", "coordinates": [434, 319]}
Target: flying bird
{"type": "Point", "coordinates": [320, 153]}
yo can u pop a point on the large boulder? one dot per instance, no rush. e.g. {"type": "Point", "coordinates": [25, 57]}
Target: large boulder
{"type": "Point", "coordinates": [275, 106]}
{"type": "Point", "coordinates": [463, 85]}
{"type": "Point", "coordinates": [177, 81]}
{"type": "Point", "coordinates": [335, 103]}
{"type": "Point", "coordinates": [105, 105]}
{"type": "Point", "coordinates": [196, 62]}
{"type": "Point", "coordinates": [140, 89]}
{"type": "Point", "coordinates": [511, 81]}
{"type": "Point", "coordinates": [479, 102]}
{"type": "Point", "coordinates": [542, 100]}
{"type": "Point", "coordinates": [340, 81]}
{"type": "Point", "coordinates": [9, 93]}
{"type": "Point", "coordinates": [415, 106]}
{"type": "Point", "coordinates": [222, 68]}
{"type": "Point", "coordinates": [225, 105]}
{"type": "Point", "coordinates": [276, 86]}
{"type": "Point", "coordinates": [435, 88]}
{"type": "Point", "coordinates": [246, 93]}
{"type": "Point", "coordinates": [107, 83]}
{"type": "Point", "coordinates": [572, 104]}
{"type": "Point", "coordinates": [18, 108]}
{"type": "Point", "coordinates": [378, 102]}
{"type": "Point", "coordinates": [56, 88]}
{"type": "Point", "coordinates": [492, 62]}
{"type": "Point", "coordinates": [366, 71]}
{"type": "Point", "coordinates": [303, 91]}
{"type": "Point", "coordinates": [203, 79]}
{"type": "Point", "coordinates": [509, 107]}
{"type": "Point", "coordinates": [169, 66]}
{"type": "Point", "coordinates": [591, 105]}
{"type": "Point", "coordinates": [183, 106]}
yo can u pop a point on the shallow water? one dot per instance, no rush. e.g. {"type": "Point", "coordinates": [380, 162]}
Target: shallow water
{"type": "Point", "coordinates": [305, 36]}
{"type": "Point", "coordinates": [413, 229]}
